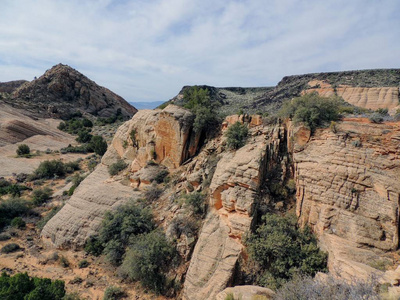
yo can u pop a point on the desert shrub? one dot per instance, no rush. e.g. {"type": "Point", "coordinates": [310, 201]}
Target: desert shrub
{"type": "Point", "coordinates": [75, 149]}
{"type": "Point", "coordinates": [71, 166]}
{"type": "Point", "coordinates": [74, 126]}
{"type": "Point", "coordinates": [84, 136]}
{"type": "Point", "coordinates": [98, 144]}
{"type": "Point", "coordinates": [117, 167]}
{"type": "Point", "coordinates": [23, 149]}
{"type": "Point", "coordinates": [11, 208]}
{"type": "Point", "coordinates": [4, 237]}
{"type": "Point", "coordinates": [76, 181]}
{"type": "Point", "coordinates": [376, 118]}
{"type": "Point", "coordinates": [161, 176]}
{"type": "Point", "coordinates": [47, 217]}
{"type": "Point", "coordinates": [281, 250]}
{"type": "Point", "coordinates": [12, 189]}
{"type": "Point", "coordinates": [72, 296]}
{"type": "Point", "coordinates": [83, 264]}
{"type": "Point", "coordinates": [236, 135]}
{"type": "Point", "coordinates": [229, 297]}
{"type": "Point", "coordinates": [94, 246]}
{"type": "Point", "coordinates": [328, 288]}
{"type": "Point", "coordinates": [382, 111]}
{"type": "Point", "coordinates": [147, 260]}
{"type": "Point", "coordinates": [132, 135]}
{"type": "Point", "coordinates": [48, 169]}
{"type": "Point", "coordinates": [18, 222]}
{"type": "Point", "coordinates": [41, 196]}
{"type": "Point", "coordinates": [312, 110]}
{"type": "Point", "coordinates": [117, 228]}
{"type": "Point", "coordinates": [21, 286]}
{"type": "Point", "coordinates": [152, 193]}
{"type": "Point", "coordinates": [113, 293]}
{"type": "Point", "coordinates": [12, 247]}
{"type": "Point", "coordinates": [64, 262]}
{"type": "Point", "coordinates": [196, 201]}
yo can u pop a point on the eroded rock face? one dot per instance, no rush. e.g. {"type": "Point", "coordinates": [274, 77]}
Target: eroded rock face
{"type": "Point", "coordinates": [164, 136]}
{"type": "Point", "coordinates": [166, 132]}
{"type": "Point", "coordinates": [62, 90]}
{"type": "Point", "coordinates": [83, 212]}
{"type": "Point", "coordinates": [347, 190]}
{"type": "Point", "coordinates": [371, 98]}
{"type": "Point", "coordinates": [233, 190]}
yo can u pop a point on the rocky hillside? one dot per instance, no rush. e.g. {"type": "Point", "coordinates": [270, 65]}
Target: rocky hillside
{"type": "Point", "coordinates": [62, 91]}
{"type": "Point", "coordinates": [10, 86]}
{"type": "Point", "coordinates": [363, 88]}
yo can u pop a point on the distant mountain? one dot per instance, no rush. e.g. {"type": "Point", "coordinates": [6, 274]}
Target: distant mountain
{"type": "Point", "coordinates": [62, 91]}
{"type": "Point", "coordinates": [147, 105]}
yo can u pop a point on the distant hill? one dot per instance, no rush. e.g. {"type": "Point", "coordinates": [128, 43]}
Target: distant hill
{"type": "Point", "coordinates": [231, 100]}
{"type": "Point", "coordinates": [146, 105]}
{"type": "Point", "coordinates": [62, 91]}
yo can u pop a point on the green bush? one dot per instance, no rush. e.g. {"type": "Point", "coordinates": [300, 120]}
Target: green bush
{"type": "Point", "coordinates": [23, 149]}
{"type": "Point", "coordinates": [41, 196]}
{"type": "Point", "coordinates": [84, 136]}
{"type": "Point", "coordinates": [10, 248]}
{"type": "Point", "coordinates": [18, 222]}
{"type": "Point", "coordinates": [48, 169]}
{"type": "Point", "coordinates": [152, 193]}
{"type": "Point", "coordinates": [64, 262]}
{"type": "Point", "coordinates": [4, 237]}
{"type": "Point", "coordinates": [98, 144]}
{"type": "Point", "coordinates": [196, 201]}
{"type": "Point", "coordinates": [117, 228]}
{"type": "Point", "coordinates": [83, 264]}
{"type": "Point", "coordinates": [21, 286]}
{"type": "Point", "coordinates": [74, 126]}
{"type": "Point", "coordinates": [113, 293]}
{"type": "Point", "coordinates": [132, 135]}
{"type": "Point", "coordinates": [117, 167]}
{"type": "Point", "coordinates": [376, 118]}
{"type": "Point", "coordinates": [236, 135]}
{"type": "Point", "coordinates": [11, 208]}
{"type": "Point", "coordinates": [282, 250]}
{"type": "Point", "coordinates": [147, 260]}
{"type": "Point", "coordinates": [312, 110]}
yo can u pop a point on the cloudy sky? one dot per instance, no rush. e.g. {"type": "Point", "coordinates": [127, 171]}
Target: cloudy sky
{"type": "Point", "coordinates": [146, 50]}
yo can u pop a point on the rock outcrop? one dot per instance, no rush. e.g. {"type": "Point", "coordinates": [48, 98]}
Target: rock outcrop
{"type": "Point", "coordinates": [365, 97]}
{"type": "Point", "coordinates": [233, 190]}
{"type": "Point", "coordinates": [348, 192]}
{"type": "Point", "coordinates": [10, 86]}
{"type": "Point", "coordinates": [162, 135]}
{"type": "Point", "coordinates": [62, 91]}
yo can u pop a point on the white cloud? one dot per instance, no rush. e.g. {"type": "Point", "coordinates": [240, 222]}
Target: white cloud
{"type": "Point", "coordinates": [147, 50]}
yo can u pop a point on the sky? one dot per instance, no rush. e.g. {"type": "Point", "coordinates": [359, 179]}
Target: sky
{"type": "Point", "coordinates": [146, 50]}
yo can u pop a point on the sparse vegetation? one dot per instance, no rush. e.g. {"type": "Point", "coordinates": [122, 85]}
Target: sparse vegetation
{"type": "Point", "coordinates": [236, 135]}
{"type": "Point", "coordinates": [117, 167]}
{"type": "Point", "coordinates": [312, 110]}
{"type": "Point", "coordinates": [280, 250]}
{"type": "Point", "coordinates": [18, 223]}
{"type": "Point", "coordinates": [12, 247]}
{"type": "Point", "coordinates": [41, 196]}
{"type": "Point", "coordinates": [46, 218]}
{"type": "Point", "coordinates": [376, 118]}
{"type": "Point", "coordinates": [152, 193]}
{"type": "Point", "coordinates": [328, 288]}
{"type": "Point", "coordinates": [147, 260]}
{"type": "Point", "coordinates": [98, 144]}
{"type": "Point", "coordinates": [11, 208]}
{"type": "Point", "coordinates": [23, 150]}
{"type": "Point", "coordinates": [75, 125]}
{"type": "Point", "coordinates": [160, 177]}
{"type": "Point", "coordinates": [117, 228]}
{"type": "Point", "coordinates": [196, 201]}
{"type": "Point", "coordinates": [83, 264]}
{"type": "Point", "coordinates": [113, 293]}
{"type": "Point", "coordinates": [21, 286]}
{"type": "Point", "coordinates": [132, 135]}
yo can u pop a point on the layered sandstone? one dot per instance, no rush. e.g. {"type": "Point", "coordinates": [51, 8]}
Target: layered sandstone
{"type": "Point", "coordinates": [348, 192]}
{"type": "Point", "coordinates": [365, 97]}
{"type": "Point", "coordinates": [233, 190]}
{"type": "Point", "coordinates": [164, 136]}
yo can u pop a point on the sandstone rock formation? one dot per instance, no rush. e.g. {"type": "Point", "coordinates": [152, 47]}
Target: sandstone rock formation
{"type": "Point", "coordinates": [62, 90]}
{"type": "Point", "coordinates": [348, 192]}
{"type": "Point", "coordinates": [165, 132]}
{"type": "Point", "coordinates": [371, 98]}
{"type": "Point", "coordinates": [233, 190]}
{"type": "Point", "coordinates": [10, 86]}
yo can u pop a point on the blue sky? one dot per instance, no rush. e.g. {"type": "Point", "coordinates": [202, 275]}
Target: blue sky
{"type": "Point", "coordinates": [146, 50]}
